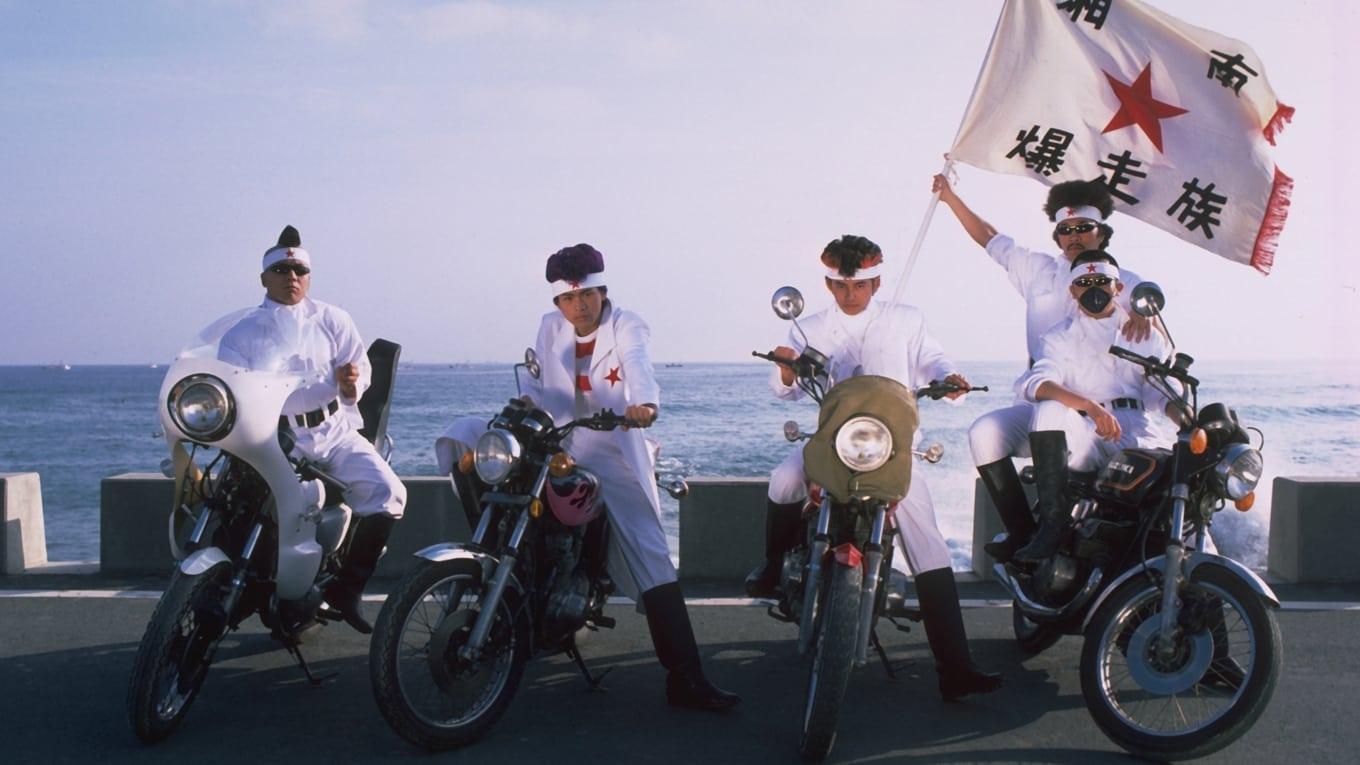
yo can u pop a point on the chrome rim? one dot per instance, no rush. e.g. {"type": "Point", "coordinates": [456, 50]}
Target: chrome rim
{"type": "Point", "coordinates": [1193, 687]}
{"type": "Point", "coordinates": [440, 688]}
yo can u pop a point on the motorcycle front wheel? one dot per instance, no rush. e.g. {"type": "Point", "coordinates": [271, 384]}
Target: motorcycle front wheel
{"type": "Point", "coordinates": [1197, 698]}
{"type": "Point", "coordinates": [832, 659]}
{"type": "Point", "coordinates": [1032, 637]}
{"type": "Point", "coordinates": [427, 692]}
{"type": "Point", "coordinates": [172, 660]}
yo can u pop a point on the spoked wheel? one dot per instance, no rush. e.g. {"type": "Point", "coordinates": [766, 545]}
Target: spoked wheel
{"type": "Point", "coordinates": [426, 689]}
{"type": "Point", "coordinates": [1201, 695]}
{"type": "Point", "coordinates": [832, 659]}
{"type": "Point", "coordinates": [1032, 637]}
{"type": "Point", "coordinates": [175, 652]}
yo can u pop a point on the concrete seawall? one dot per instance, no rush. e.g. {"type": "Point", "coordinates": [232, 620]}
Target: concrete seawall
{"type": "Point", "coordinates": [1315, 526]}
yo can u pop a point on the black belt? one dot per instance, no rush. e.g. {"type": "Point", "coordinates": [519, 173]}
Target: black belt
{"type": "Point", "coordinates": [310, 419]}
{"type": "Point", "coordinates": [1123, 403]}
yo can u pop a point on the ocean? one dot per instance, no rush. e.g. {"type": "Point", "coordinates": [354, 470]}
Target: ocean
{"type": "Point", "coordinates": [75, 427]}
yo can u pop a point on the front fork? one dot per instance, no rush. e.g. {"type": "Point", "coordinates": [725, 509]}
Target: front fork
{"type": "Point", "coordinates": [1174, 577]}
{"type": "Point", "coordinates": [821, 542]}
{"type": "Point", "coordinates": [868, 595]}
{"type": "Point", "coordinates": [505, 568]}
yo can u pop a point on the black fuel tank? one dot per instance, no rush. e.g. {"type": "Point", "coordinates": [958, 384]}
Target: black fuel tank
{"type": "Point", "coordinates": [1132, 473]}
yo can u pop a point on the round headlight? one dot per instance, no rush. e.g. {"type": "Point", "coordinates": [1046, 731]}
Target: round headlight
{"type": "Point", "coordinates": [864, 444]}
{"type": "Point", "coordinates": [202, 407]}
{"type": "Point", "coordinates": [496, 454]}
{"type": "Point", "coordinates": [1238, 472]}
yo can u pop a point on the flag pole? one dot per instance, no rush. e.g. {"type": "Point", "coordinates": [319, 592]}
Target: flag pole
{"type": "Point", "coordinates": [948, 164]}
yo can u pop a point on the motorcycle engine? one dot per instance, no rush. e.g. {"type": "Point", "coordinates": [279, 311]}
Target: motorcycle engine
{"type": "Point", "coordinates": [568, 598]}
{"type": "Point", "coordinates": [791, 578]}
{"type": "Point", "coordinates": [1055, 579]}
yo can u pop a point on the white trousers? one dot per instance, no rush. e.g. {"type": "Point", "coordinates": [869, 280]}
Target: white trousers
{"type": "Point", "coordinates": [342, 452]}
{"type": "Point", "coordinates": [1086, 450]}
{"type": "Point", "coordinates": [1001, 433]}
{"type": "Point", "coordinates": [915, 515]}
{"type": "Point", "coordinates": [639, 558]}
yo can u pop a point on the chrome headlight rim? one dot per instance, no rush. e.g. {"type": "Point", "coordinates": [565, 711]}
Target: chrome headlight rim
{"type": "Point", "coordinates": [217, 428]}
{"type": "Point", "coordinates": [852, 431]}
{"type": "Point", "coordinates": [1238, 472]}
{"type": "Point", "coordinates": [495, 455]}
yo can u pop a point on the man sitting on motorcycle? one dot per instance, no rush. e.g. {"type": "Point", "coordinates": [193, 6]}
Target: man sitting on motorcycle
{"type": "Point", "coordinates": [864, 336]}
{"type": "Point", "coordinates": [325, 417]}
{"type": "Point", "coordinates": [1089, 405]}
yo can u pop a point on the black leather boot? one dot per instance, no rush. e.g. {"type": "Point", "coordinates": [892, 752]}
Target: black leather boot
{"type": "Point", "coordinates": [783, 524]}
{"type": "Point", "coordinates": [673, 638]}
{"type": "Point", "coordinates": [1008, 497]}
{"type": "Point", "coordinates": [940, 611]}
{"type": "Point", "coordinates": [365, 548]}
{"type": "Point", "coordinates": [1049, 449]}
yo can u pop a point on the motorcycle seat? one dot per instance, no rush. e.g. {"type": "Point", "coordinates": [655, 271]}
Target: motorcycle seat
{"type": "Point", "coordinates": [373, 406]}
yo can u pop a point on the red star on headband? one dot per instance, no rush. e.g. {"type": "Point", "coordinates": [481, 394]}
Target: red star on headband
{"type": "Point", "coordinates": [1091, 269]}
{"type": "Point", "coordinates": [575, 285]}
{"type": "Point", "coordinates": [1071, 212]}
{"type": "Point", "coordinates": [613, 377]}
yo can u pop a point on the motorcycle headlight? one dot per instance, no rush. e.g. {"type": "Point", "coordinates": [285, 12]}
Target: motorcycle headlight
{"type": "Point", "coordinates": [1237, 474]}
{"type": "Point", "coordinates": [496, 454]}
{"type": "Point", "coordinates": [864, 444]}
{"type": "Point", "coordinates": [202, 407]}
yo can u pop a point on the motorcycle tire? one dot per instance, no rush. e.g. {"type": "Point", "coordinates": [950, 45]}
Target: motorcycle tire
{"type": "Point", "coordinates": [173, 658]}
{"type": "Point", "coordinates": [419, 680]}
{"type": "Point", "coordinates": [1213, 689]}
{"type": "Point", "coordinates": [1033, 637]}
{"type": "Point", "coordinates": [832, 660]}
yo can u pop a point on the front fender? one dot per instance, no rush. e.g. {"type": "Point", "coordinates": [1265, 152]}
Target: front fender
{"type": "Point", "coordinates": [448, 551]}
{"type": "Point", "coordinates": [200, 561]}
{"type": "Point", "coordinates": [1193, 559]}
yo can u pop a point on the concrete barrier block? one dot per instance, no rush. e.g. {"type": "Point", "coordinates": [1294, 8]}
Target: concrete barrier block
{"type": "Point", "coordinates": [722, 528]}
{"type": "Point", "coordinates": [134, 508]}
{"type": "Point", "coordinates": [23, 537]}
{"type": "Point", "coordinates": [986, 525]}
{"type": "Point", "coordinates": [1314, 529]}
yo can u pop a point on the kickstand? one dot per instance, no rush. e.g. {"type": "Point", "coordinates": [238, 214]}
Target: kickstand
{"type": "Point", "coordinates": [316, 682]}
{"type": "Point", "coordinates": [883, 655]}
{"type": "Point", "coordinates": [591, 680]}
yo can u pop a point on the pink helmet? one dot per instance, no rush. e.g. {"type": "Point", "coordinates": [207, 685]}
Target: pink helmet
{"type": "Point", "coordinates": [575, 498]}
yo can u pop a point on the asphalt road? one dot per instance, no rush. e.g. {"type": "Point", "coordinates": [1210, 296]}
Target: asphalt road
{"type": "Point", "coordinates": [64, 666]}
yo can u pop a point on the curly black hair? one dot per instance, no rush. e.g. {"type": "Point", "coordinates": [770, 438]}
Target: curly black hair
{"type": "Point", "coordinates": [1094, 256]}
{"type": "Point", "coordinates": [848, 253]}
{"type": "Point", "coordinates": [1078, 194]}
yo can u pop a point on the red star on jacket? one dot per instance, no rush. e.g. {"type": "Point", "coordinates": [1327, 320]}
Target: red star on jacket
{"type": "Point", "coordinates": [1138, 107]}
{"type": "Point", "coordinates": [613, 376]}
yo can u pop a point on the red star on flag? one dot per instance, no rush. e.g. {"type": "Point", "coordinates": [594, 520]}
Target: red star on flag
{"type": "Point", "coordinates": [1138, 107]}
{"type": "Point", "coordinates": [613, 376]}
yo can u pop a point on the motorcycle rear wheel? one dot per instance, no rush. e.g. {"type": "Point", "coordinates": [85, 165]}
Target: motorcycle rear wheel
{"type": "Point", "coordinates": [1208, 694]}
{"type": "Point", "coordinates": [429, 695]}
{"type": "Point", "coordinates": [832, 660]}
{"type": "Point", "coordinates": [172, 660]}
{"type": "Point", "coordinates": [1033, 637]}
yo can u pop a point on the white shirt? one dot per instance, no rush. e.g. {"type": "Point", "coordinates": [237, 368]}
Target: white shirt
{"type": "Point", "coordinates": [1042, 280]}
{"type": "Point", "coordinates": [1076, 355]}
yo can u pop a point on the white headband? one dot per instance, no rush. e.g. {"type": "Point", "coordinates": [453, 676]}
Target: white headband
{"type": "Point", "coordinates": [871, 272]}
{"type": "Point", "coordinates": [592, 280]}
{"type": "Point", "coordinates": [1096, 267]}
{"type": "Point", "coordinates": [1084, 211]}
{"type": "Point", "coordinates": [290, 254]}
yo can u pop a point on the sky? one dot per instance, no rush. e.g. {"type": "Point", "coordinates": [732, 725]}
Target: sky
{"type": "Point", "coordinates": [433, 154]}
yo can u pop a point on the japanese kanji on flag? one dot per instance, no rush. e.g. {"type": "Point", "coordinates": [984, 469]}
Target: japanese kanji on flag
{"type": "Point", "coordinates": [1176, 120]}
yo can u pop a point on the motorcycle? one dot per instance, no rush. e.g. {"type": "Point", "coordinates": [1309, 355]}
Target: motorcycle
{"type": "Point", "coordinates": [1181, 648]}
{"type": "Point", "coordinates": [838, 582]}
{"type": "Point", "coordinates": [453, 638]}
{"type": "Point", "coordinates": [255, 528]}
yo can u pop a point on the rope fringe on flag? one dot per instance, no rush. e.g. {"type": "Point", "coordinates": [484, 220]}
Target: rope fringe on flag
{"type": "Point", "coordinates": [1263, 254]}
{"type": "Point", "coordinates": [1283, 115]}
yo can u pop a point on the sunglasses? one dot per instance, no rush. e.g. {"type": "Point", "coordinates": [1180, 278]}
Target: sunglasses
{"type": "Point", "coordinates": [1080, 228]}
{"type": "Point", "coordinates": [1083, 282]}
{"type": "Point", "coordinates": [283, 268]}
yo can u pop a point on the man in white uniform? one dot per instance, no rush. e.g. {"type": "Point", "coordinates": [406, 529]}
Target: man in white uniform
{"type": "Point", "coordinates": [1079, 209]}
{"type": "Point", "coordinates": [324, 415]}
{"type": "Point", "coordinates": [1088, 404]}
{"type": "Point", "coordinates": [863, 336]}
{"type": "Point", "coordinates": [594, 356]}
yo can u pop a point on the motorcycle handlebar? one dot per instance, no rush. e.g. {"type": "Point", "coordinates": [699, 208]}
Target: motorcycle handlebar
{"type": "Point", "coordinates": [1155, 365]}
{"type": "Point", "coordinates": [937, 390]}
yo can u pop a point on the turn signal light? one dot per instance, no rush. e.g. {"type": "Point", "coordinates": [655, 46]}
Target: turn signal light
{"type": "Point", "coordinates": [1246, 503]}
{"type": "Point", "coordinates": [561, 464]}
{"type": "Point", "coordinates": [1199, 441]}
{"type": "Point", "coordinates": [465, 463]}
{"type": "Point", "coordinates": [535, 508]}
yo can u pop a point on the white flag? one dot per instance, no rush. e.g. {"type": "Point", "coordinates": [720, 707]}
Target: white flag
{"type": "Point", "coordinates": [1176, 120]}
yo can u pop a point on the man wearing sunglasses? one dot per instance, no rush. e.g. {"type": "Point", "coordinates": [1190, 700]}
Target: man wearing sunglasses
{"type": "Point", "coordinates": [325, 417]}
{"type": "Point", "coordinates": [1086, 400]}
{"type": "Point", "coordinates": [1079, 210]}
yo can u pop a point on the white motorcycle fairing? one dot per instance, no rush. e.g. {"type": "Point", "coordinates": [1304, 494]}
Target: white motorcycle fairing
{"type": "Point", "coordinates": [259, 397]}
